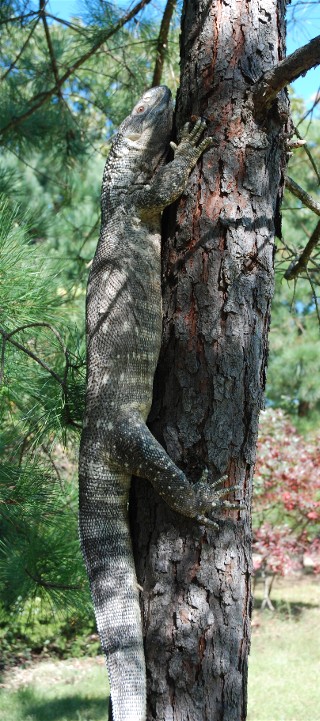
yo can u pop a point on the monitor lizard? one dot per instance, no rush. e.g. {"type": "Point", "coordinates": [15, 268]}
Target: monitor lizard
{"type": "Point", "coordinates": [124, 327]}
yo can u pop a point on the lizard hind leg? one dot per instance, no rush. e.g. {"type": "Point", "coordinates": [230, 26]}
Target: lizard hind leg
{"type": "Point", "coordinates": [137, 451]}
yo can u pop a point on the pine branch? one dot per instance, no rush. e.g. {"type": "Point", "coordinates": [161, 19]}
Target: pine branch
{"type": "Point", "coordinates": [314, 296]}
{"type": "Point", "coordinates": [14, 62]}
{"type": "Point", "coordinates": [48, 584]}
{"type": "Point", "coordinates": [310, 110]}
{"type": "Point", "coordinates": [300, 264]}
{"type": "Point", "coordinates": [162, 41]}
{"type": "Point", "coordinates": [74, 27]}
{"type": "Point", "coordinates": [309, 154]}
{"type": "Point", "coordinates": [18, 18]}
{"type": "Point", "coordinates": [56, 182]}
{"type": "Point", "coordinates": [40, 324]}
{"type": "Point", "coordinates": [7, 338]}
{"type": "Point", "coordinates": [42, 14]}
{"type": "Point", "coordinates": [305, 198]}
{"type": "Point", "coordinates": [287, 70]}
{"type": "Point", "coordinates": [38, 100]}
{"type": "Point", "coordinates": [67, 502]}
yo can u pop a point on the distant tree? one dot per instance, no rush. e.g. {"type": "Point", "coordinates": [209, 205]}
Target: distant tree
{"type": "Point", "coordinates": [294, 361]}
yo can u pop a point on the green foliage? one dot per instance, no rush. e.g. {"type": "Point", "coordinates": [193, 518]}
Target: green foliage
{"type": "Point", "coordinates": [55, 137]}
{"type": "Point", "coordinates": [36, 629]}
{"type": "Point", "coordinates": [39, 381]}
{"type": "Point", "coordinates": [112, 69]}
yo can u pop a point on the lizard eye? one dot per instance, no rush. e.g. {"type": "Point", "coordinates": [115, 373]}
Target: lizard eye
{"type": "Point", "coordinates": [140, 109]}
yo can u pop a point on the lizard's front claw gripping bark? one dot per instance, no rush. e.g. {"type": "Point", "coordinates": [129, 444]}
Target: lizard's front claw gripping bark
{"type": "Point", "coordinates": [189, 139]}
{"type": "Point", "coordinates": [211, 502]}
{"type": "Point", "coordinates": [124, 322]}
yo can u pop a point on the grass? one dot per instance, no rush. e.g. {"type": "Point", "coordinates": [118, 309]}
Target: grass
{"type": "Point", "coordinates": [58, 691]}
{"type": "Point", "coordinates": [283, 670]}
{"type": "Point", "coordinates": [284, 662]}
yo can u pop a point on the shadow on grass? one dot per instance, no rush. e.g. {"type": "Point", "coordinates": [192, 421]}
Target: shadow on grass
{"type": "Point", "coordinates": [69, 708]}
{"type": "Point", "coordinates": [286, 609]}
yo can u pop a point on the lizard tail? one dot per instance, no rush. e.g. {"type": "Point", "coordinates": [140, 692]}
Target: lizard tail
{"type": "Point", "coordinates": [107, 550]}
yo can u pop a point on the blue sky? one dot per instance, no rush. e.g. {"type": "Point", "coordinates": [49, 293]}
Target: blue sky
{"type": "Point", "coordinates": [305, 27]}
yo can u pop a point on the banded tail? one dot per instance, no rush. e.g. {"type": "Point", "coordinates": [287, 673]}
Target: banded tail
{"type": "Point", "coordinates": [107, 550]}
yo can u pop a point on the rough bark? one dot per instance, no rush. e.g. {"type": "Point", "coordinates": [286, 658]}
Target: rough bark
{"type": "Point", "coordinates": [218, 285]}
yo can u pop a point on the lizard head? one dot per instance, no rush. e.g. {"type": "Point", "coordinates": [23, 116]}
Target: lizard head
{"type": "Point", "coordinates": [148, 127]}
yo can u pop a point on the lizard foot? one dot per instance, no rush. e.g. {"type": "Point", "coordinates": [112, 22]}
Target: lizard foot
{"type": "Point", "coordinates": [189, 139]}
{"type": "Point", "coordinates": [210, 499]}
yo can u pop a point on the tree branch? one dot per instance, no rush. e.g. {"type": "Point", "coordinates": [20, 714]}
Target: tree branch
{"type": "Point", "coordinates": [310, 110]}
{"type": "Point", "coordinates": [300, 264]}
{"type": "Point", "coordinates": [314, 295]}
{"type": "Point", "coordinates": [307, 151]}
{"type": "Point", "coordinates": [42, 13]}
{"type": "Point", "coordinates": [305, 198]}
{"type": "Point", "coordinates": [162, 41]}
{"type": "Point", "coordinates": [74, 27]}
{"type": "Point", "coordinates": [18, 18]}
{"type": "Point", "coordinates": [289, 69]}
{"type": "Point", "coordinates": [41, 98]}
{"type": "Point", "coordinates": [7, 337]}
{"type": "Point", "coordinates": [38, 172]}
{"type": "Point", "coordinates": [39, 324]}
{"type": "Point", "coordinates": [49, 584]}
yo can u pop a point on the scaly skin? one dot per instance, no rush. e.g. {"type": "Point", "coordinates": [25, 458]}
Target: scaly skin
{"type": "Point", "coordinates": [124, 322]}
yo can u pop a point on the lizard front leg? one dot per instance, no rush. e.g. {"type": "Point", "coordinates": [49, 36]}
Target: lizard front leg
{"type": "Point", "coordinates": [171, 180]}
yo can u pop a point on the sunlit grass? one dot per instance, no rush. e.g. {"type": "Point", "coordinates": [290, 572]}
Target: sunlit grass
{"type": "Point", "coordinates": [284, 662]}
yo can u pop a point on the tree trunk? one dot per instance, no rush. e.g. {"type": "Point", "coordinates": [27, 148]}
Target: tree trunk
{"type": "Point", "coordinates": [218, 285]}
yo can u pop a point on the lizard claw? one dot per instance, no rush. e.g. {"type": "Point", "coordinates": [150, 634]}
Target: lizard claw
{"type": "Point", "coordinates": [189, 139]}
{"type": "Point", "coordinates": [205, 521]}
{"type": "Point", "coordinates": [197, 131]}
{"type": "Point", "coordinates": [211, 499]}
{"type": "Point", "coordinates": [228, 489]}
{"type": "Point", "coordinates": [230, 504]}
